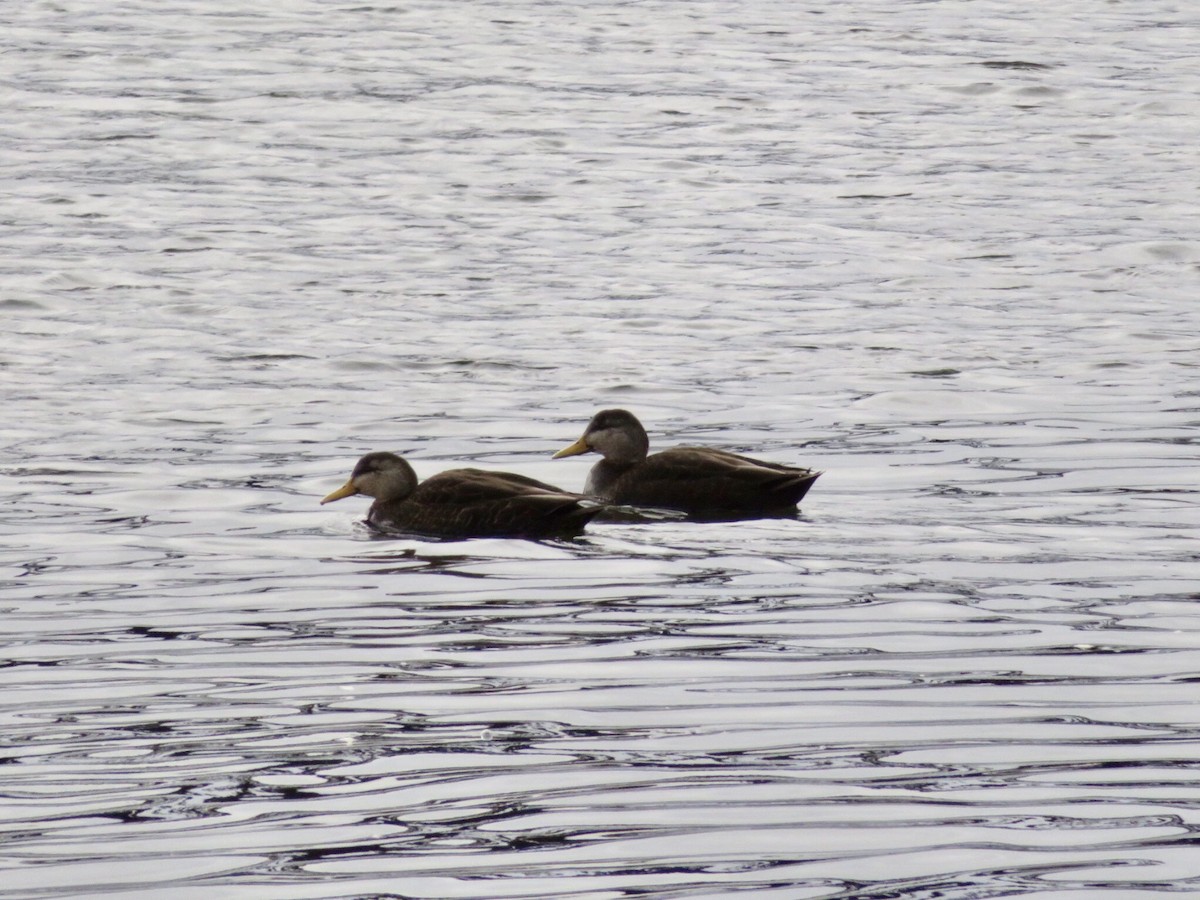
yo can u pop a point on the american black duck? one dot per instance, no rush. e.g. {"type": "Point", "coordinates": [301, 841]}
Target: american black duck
{"type": "Point", "coordinates": [702, 482]}
{"type": "Point", "coordinates": [463, 502]}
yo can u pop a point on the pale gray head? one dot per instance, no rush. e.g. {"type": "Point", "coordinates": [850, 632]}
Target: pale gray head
{"type": "Point", "coordinates": [615, 434]}
{"type": "Point", "coordinates": [384, 476]}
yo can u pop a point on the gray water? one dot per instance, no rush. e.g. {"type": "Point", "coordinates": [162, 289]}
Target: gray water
{"type": "Point", "coordinates": [945, 251]}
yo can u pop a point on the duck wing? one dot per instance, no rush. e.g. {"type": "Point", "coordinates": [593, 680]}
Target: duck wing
{"type": "Point", "coordinates": [477, 503]}
{"type": "Point", "coordinates": [703, 481]}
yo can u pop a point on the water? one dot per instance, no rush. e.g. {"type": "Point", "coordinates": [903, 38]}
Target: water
{"type": "Point", "coordinates": [943, 250]}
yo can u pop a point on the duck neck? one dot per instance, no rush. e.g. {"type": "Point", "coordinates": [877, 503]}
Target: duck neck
{"type": "Point", "coordinates": [602, 476]}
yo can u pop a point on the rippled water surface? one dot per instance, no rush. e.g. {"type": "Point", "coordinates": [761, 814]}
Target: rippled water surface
{"type": "Point", "coordinates": [945, 251]}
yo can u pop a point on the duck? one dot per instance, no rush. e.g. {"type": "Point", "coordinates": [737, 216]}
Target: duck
{"type": "Point", "coordinates": [702, 482]}
{"type": "Point", "coordinates": [462, 503]}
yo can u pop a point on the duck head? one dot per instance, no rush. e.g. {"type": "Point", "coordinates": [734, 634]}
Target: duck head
{"type": "Point", "coordinates": [615, 434]}
{"type": "Point", "coordinates": [383, 476]}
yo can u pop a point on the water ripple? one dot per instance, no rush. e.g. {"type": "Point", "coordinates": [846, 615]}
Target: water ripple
{"type": "Point", "coordinates": [951, 266]}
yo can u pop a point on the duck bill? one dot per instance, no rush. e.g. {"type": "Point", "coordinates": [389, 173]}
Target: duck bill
{"type": "Point", "coordinates": [346, 490]}
{"type": "Point", "coordinates": [580, 446]}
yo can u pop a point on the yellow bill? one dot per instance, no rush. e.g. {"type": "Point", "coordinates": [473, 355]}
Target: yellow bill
{"type": "Point", "coordinates": [580, 446]}
{"type": "Point", "coordinates": [346, 490]}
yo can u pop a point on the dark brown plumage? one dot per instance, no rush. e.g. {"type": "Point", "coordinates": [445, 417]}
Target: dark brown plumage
{"type": "Point", "coordinates": [702, 482]}
{"type": "Point", "coordinates": [463, 502]}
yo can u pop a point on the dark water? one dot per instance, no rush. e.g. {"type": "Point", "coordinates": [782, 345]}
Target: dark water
{"type": "Point", "coordinates": [944, 251]}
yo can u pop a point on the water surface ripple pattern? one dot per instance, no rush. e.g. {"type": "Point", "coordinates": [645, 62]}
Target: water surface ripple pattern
{"type": "Point", "coordinates": [943, 250]}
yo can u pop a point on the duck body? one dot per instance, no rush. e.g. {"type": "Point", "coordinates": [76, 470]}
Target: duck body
{"type": "Point", "coordinates": [461, 503]}
{"type": "Point", "coordinates": [702, 482]}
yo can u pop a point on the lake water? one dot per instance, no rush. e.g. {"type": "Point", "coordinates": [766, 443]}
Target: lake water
{"type": "Point", "coordinates": [945, 251]}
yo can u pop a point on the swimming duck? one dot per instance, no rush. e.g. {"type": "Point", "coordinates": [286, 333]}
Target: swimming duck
{"type": "Point", "coordinates": [463, 502]}
{"type": "Point", "coordinates": [702, 482]}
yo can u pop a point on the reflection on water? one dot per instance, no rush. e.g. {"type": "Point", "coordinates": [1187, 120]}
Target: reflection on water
{"type": "Point", "coordinates": [950, 266]}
